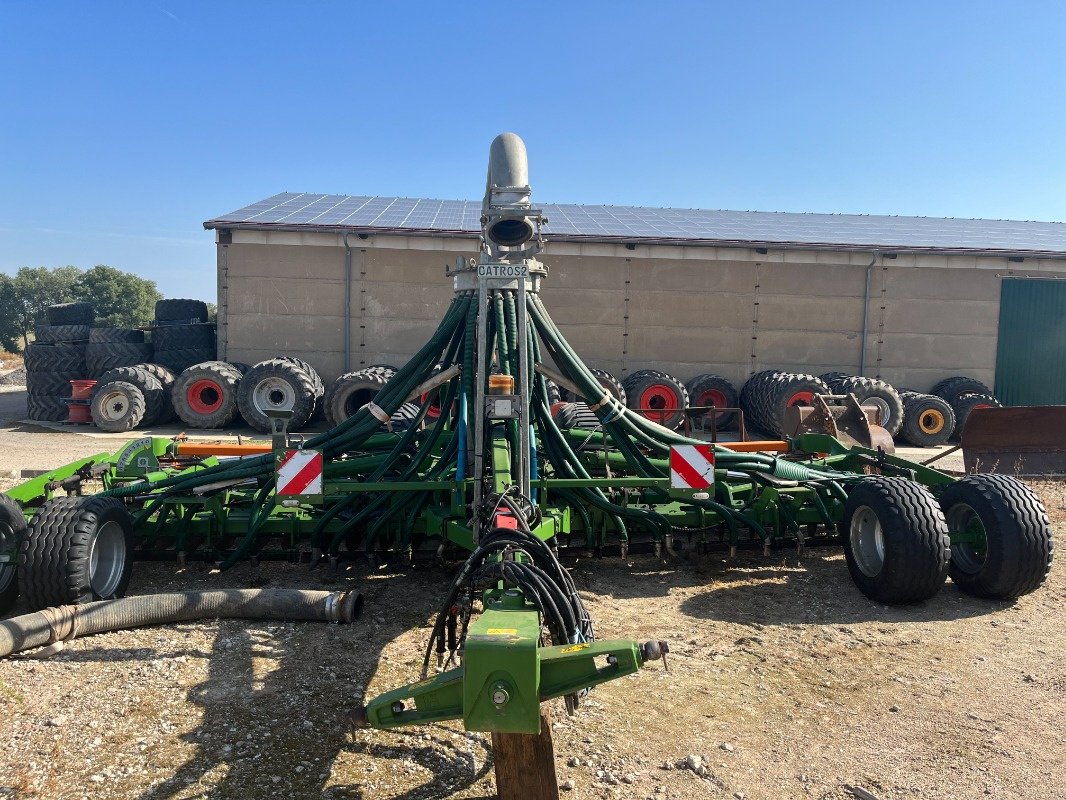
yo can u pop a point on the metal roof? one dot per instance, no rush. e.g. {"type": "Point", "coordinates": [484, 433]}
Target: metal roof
{"type": "Point", "coordinates": [638, 224]}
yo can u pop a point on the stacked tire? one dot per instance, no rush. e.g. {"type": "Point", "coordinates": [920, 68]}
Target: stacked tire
{"type": "Point", "coordinates": [767, 395]}
{"type": "Point", "coordinates": [964, 395]}
{"type": "Point", "coordinates": [56, 357]}
{"type": "Point", "coordinates": [279, 384]}
{"type": "Point", "coordinates": [205, 395]}
{"type": "Point", "coordinates": [663, 397]}
{"type": "Point", "coordinates": [182, 336]}
{"type": "Point", "coordinates": [109, 348]}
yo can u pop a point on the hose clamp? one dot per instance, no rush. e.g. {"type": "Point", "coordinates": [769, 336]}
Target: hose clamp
{"type": "Point", "coordinates": [380, 414]}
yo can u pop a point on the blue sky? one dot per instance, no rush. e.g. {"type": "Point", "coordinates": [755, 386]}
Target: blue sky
{"type": "Point", "coordinates": [123, 126]}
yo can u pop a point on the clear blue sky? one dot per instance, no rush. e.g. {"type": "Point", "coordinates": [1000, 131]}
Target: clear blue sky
{"type": "Point", "coordinates": [123, 126]}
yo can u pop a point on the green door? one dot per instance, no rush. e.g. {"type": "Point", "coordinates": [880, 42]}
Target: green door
{"type": "Point", "coordinates": [1031, 358]}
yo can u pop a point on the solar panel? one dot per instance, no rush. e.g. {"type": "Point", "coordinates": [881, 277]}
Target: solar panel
{"type": "Point", "coordinates": [295, 210]}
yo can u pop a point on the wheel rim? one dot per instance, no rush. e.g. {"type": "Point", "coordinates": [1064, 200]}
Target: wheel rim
{"type": "Point", "coordinates": [273, 394]}
{"type": "Point", "coordinates": [107, 560]}
{"type": "Point", "coordinates": [659, 398]}
{"type": "Point", "coordinates": [204, 396]}
{"type": "Point", "coordinates": [712, 397]}
{"type": "Point", "coordinates": [801, 399]}
{"type": "Point", "coordinates": [114, 406]}
{"type": "Point", "coordinates": [867, 541]}
{"type": "Point", "coordinates": [963, 521]}
{"type": "Point", "coordinates": [884, 410]}
{"type": "Point", "coordinates": [931, 421]}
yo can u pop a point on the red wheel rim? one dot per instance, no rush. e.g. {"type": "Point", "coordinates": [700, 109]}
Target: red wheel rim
{"type": "Point", "coordinates": [659, 398]}
{"type": "Point", "coordinates": [801, 399]}
{"type": "Point", "coordinates": [204, 396]}
{"type": "Point", "coordinates": [983, 405]}
{"type": "Point", "coordinates": [712, 397]}
{"type": "Point", "coordinates": [434, 408]}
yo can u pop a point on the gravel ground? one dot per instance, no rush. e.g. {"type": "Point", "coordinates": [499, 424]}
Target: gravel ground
{"type": "Point", "coordinates": [784, 682]}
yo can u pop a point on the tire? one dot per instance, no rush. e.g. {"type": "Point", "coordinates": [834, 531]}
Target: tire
{"type": "Point", "coordinates": [117, 406]}
{"type": "Point", "coordinates": [166, 378]}
{"type": "Point", "coordinates": [52, 334]}
{"type": "Point", "coordinates": [713, 390]}
{"type": "Point", "coordinates": [951, 389]}
{"type": "Point", "coordinates": [350, 392]}
{"type": "Point", "coordinates": [103, 356]}
{"type": "Point", "coordinates": [577, 415]}
{"type": "Point", "coordinates": [44, 408]}
{"type": "Point", "coordinates": [962, 407]}
{"type": "Point", "coordinates": [611, 384]}
{"type": "Point", "coordinates": [180, 359]}
{"type": "Point", "coordinates": [100, 335]}
{"type": "Point", "coordinates": [13, 529]}
{"type": "Point", "coordinates": [180, 337]}
{"type": "Point", "coordinates": [240, 366]}
{"type": "Point", "coordinates": [752, 396]}
{"type": "Point", "coordinates": [157, 406]}
{"type": "Point", "coordinates": [928, 420]}
{"type": "Point", "coordinates": [71, 314]}
{"type": "Point", "coordinates": [871, 391]}
{"type": "Point", "coordinates": [782, 391]}
{"type": "Point", "coordinates": [77, 550]}
{"type": "Point", "coordinates": [831, 379]}
{"type": "Point", "coordinates": [53, 384]}
{"type": "Point", "coordinates": [276, 384]}
{"type": "Point", "coordinates": [911, 563]}
{"type": "Point", "coordinates": [1018, 544]}
{"type": "Point", "coordinates": [659, 391]}
{"type": "Point", "coordinates": [405, 416]}
{"type": "Point", "coordinates": [205, 395]}
{"type": "Point", "coordinates": [55, 358]}
{"type": "Point", "coordinates": [180, 311]}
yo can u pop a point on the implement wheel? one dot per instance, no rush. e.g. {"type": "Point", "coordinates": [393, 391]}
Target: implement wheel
{"type": "Point", "coordinates": [12, 531]}
{"type": "Point", "coordinates": [78, 549]}
{"type": "Point", "coordinates": [895, 540]}
{"type": "Point", "coordinates": [1002, 544]}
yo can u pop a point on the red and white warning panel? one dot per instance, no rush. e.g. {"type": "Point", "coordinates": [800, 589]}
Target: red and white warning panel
{"type": "Point", "coordinates": [691, 466]}
{"type": "Point", "coordinates": [300, 473]}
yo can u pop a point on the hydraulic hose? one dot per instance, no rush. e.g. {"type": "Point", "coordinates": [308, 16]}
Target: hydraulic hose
{"type": "Point", "coordinates": [59, 624]}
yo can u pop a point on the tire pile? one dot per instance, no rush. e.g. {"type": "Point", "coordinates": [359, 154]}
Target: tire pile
{"type": "Point", "coordinates": [56, 357]}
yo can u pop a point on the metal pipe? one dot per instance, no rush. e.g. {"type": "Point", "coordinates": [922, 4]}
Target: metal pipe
{"type": "Point", "coordinates": [866, 313]}
{"type": "Point", "coordinates": [347, 304]}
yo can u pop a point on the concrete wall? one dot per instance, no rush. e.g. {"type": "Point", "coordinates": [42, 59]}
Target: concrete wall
{"type": "Point", "coordinates": [686, 310]}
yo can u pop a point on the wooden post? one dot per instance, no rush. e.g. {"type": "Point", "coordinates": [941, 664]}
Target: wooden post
{"type": "Point", "coordinates": [525, 763]}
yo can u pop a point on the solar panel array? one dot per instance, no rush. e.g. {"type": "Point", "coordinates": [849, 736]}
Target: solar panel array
{"type": "Point", "coordinates": [635, 223]}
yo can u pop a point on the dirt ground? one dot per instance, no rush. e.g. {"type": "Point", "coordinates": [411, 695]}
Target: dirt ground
{"type": "Point", "coordinates": [784, 681]}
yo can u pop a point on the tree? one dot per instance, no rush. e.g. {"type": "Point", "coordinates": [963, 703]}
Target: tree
{"type": "Point", "coordinates": [10, 330]}
{"type": "Point", "coordinates": [121, 299]}
{"type": "Point", "coordinates": [36, 288]}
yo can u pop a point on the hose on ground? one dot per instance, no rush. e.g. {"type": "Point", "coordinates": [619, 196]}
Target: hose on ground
{"type": "Point", "coordinates": [62, 623]}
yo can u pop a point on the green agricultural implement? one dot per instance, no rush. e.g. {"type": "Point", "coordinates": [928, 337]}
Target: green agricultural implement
{"type": "Point", "coordinates": [494, 475]}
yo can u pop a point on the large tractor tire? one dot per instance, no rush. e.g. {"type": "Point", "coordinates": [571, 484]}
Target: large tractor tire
{"type": "Point", "coordinates": [752, 395]}
{"type": "Point", "coordinates": [54, 334]}
{"type": "Point", "coordinates": [45, 408]}
{"type": "Point", "coordinates": [951, 389]}
{"type": "Point", "coordinates": [895, 540]}
{"type": "Point", "coordinates": [205, 395]}
{"type": "Point", "coordinates": [157, 406]}
{"type": "Point", "coordinates": [71, 314]}
{"type": "Point", "coordinates": [664, 394]}
{"type": "Point", "coordinates": [103, 356]}
{"type": "Point", "coordinates": [101, 335]}
{"type": "Point", "coordinates": [51, 384]}
{"type": "Point", "coordinates": [12, 531]}
{"type": "Point", "coordinates": [609, 382]}
{"type": "Point", "coordinates": [782, 391]}
{"type": "Point", "coordinates": [878, 393]}
{"type": "Point", "coordinates": [320, 387]}
{"type": "Point", "coordinates": [928, 420]}
{"type": "Point", "coordinates": [352, 391]}
{"type": "Point", "coordinates": [1010, 545]}
{"type": "Point", "coordinates": [62, 357]}
{"type": "Point", "coordinates": [716, 391]}
{"type": "Point", "coordinates": [77, 550]}
{"type": "Point", "coordinates": [177, 337]}
{"type": "Point", "coordinates": [181, 358]}
{"type": "Point", "coordinates": [118, 406]}
{"type": "Point", "coordinates": [276, 384]}
{"type": "Point", "coordinates": [178, 311]}
{"type": "Point", "coordinates": [834, 379]}
{"type": "Point", "coordinates": [963, 406]}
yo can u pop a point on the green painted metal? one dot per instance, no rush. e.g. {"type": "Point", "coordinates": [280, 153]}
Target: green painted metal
{"type": "Point", "coordinates": [1031, 353]}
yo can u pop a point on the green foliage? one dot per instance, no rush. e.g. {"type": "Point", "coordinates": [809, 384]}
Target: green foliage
{"type": "Point", "coordinates": [36, 288]}
{"type": "Point", "coordinates": [121, 299]}
{"type": "Point", "coordinates": [10, 330]}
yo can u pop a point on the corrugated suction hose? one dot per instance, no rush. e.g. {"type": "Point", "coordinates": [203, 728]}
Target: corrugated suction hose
{"type": "Point", "coordinates": [50, 627]}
